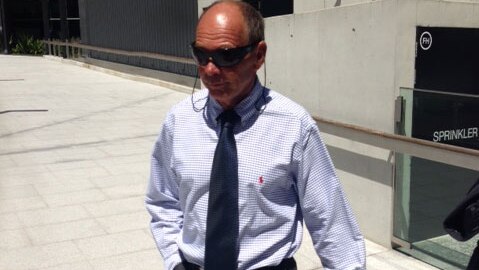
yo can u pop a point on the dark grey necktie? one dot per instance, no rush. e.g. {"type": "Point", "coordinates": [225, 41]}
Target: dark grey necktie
{"type": "Point", "coordinates": [221, 249]}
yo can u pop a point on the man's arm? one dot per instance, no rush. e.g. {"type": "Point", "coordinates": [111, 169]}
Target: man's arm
{"type": "Point", "coordinates": [328, 217]}
{"type": "Point", "coordinates": [162, 200]}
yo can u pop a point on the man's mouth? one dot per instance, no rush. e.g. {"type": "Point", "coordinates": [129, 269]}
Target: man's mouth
{"type": "Point", "coordinates": [215, 85]}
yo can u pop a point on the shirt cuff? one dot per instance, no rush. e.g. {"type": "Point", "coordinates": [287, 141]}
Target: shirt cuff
{"type": "Point", "coordinates": [172, 262]}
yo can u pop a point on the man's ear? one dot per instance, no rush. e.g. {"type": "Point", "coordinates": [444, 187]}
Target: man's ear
{"type": "Point", "coordinates": [260, 54]}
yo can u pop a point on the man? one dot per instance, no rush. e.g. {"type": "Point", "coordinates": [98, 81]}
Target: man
{"type": "Point", "coordinates": [238, 167]}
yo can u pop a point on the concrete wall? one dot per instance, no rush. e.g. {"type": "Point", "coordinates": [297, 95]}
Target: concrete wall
{"type": "Point", "coordinates": [347, 64]}
{"type": "Point", "coordinates": [338, 63]}
{"type": "Point", "coordinates": [301, 6]}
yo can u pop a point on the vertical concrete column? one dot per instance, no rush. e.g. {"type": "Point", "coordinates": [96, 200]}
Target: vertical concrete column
{"type": "Point", "coordinates": [84, 25]}
{"type": "Point", "coordinates": [84, 22]}
{"type": "Point", "coordinates": [64, 32]}
{"type": "Point", "coordinates": [62, 5]}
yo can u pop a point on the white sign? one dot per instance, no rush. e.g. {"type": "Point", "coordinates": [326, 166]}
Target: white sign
{"type": "Point", "coordinates": [456, 134]}
{"type": "Point", "coordinates": [425, 41]}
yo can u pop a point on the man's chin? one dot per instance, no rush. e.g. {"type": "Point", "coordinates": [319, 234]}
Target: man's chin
{"type": "Point", "coordinates": [217, 87]}
{"type": "Point", "coordinates": [218, 90]}
{"type": "Point", "coordinates": [220, 96]}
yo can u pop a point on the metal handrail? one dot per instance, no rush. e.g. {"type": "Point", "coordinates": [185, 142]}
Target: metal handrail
{"type": "Point", "coordinates": [440, 92]}
{"type": "Point", "coordinates": [158, 56]}
{"type": "Point", "coordinates": [449, 154]}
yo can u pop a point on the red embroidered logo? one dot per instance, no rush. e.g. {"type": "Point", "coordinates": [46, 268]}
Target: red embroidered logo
{"type": "Point", "coordinates": [260, 180]}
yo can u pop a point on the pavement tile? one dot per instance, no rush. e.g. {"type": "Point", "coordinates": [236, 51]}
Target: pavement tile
{"type": "Point", "coordinates": [306, 256]}
{"type": "Point", "coordinates": [125, 222]}
{"type": "Point", "coordinates": [83, 173]}
{"type": "Point", "coordinates": [67, 166]}
{"type": "Point", "coordinates": [373, 248]}
{"type": "Point", "coordinates": [118, 180]}
{"type": "Point", "coordinates": [148, 231]}
{"type": "Point", "coordinates": [34, 144]}
{"type": "Point", "coordinates": [64, 186]}
{"type": "Point", "coordinates": [116, 206]}
{"type": "Point", "coordinates": [126, 148]}
{"type": "Point", "coordinates": [115, 244]}
{"type": "Point", "coordinates": [24, 170]}
{"type": "Point", "coordinates": [40, 256]}
{"type": "Point", "coordinates": [10, 221]}
{"type": "Point", "coordinates": [306, 263]}
{"type": "Point", "coordinates": [125, 159]}
{"type": "Point", "coordinates": [136, 167]}
{"type": "Point", "coordinates": [22, 204]}
{"type": "Point", "coordinates": [30, 179]}
{"type": "Point", "coordinates": [17, 192]}
{"type": "Point", "coordinates": [124, 191]}
{"type": "Point", "coordinates": [6, 162]}
{"type": "Point", "coordinates": [148, 259]}
{"type": "Point", "coordinates": [81, 265]}
{"type": "Point", "coordinates": [393, 260]}
{"type": "Point", "coordinates": [52, 215]}
{"type": "Point", "coordinates": [77, 197]}
{"type": "Point", "coordinates": [51, 131]}
{"type": "Point", "coordinates": [64, 231]}
{"type": "Point", "coordinates": [29, 158]}
{"type": "Point", "coordinates": [80, 153]}
{"type": "Point", "coordinates": [12, 239]}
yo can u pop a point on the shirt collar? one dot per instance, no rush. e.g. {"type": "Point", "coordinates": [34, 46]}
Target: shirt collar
{"type": "Point", "coordinates": [245, 109]}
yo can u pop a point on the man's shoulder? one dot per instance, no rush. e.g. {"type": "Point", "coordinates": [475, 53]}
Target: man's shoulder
{"type": "Point", "coordinates": [194, 102]}
{"type": "Point", "coordinates": [286, 107]}
{"type": "Point", "coordinates": [186, 111]}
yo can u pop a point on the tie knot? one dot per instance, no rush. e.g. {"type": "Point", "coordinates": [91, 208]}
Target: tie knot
{"type": "Point", "coordinates": [228, 118]}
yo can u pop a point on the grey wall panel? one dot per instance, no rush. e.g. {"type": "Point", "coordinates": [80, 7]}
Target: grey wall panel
{"type": "Point", "coordinates": [159, 26]}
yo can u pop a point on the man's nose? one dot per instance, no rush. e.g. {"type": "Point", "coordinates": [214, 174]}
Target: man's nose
{"type": "Point", "coordinates": [211, 69]}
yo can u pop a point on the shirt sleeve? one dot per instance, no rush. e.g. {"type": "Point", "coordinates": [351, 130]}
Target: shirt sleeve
{"type": "Point", "coordinates": [162, 199]}
{"type": "Point", "coordinates": [327, 214]}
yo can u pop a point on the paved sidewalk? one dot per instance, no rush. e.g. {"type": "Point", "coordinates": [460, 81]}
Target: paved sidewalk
{"type": "Point", "coordinates": [74, 164]}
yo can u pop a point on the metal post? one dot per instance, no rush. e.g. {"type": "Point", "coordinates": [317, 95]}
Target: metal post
{"type": "Point", "coordinates": [3, 27]}
{"type": "Point", "coordinates": [84, 26]}
{"type": "Point", "coordinates": [46, 24]}
{"type": "Point", "coordinates": [67, 47]}
{"type": "Point", "coordinates": [64, 33]}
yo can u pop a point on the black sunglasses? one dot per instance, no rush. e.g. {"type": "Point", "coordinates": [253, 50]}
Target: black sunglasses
{"type": "Point", "coordinates": [221, 57]}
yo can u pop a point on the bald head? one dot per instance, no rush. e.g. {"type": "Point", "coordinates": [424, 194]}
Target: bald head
{"type": "Point", "coordinates": [251, 19]}
{"type": "Point", "coordinates": [223, 19]}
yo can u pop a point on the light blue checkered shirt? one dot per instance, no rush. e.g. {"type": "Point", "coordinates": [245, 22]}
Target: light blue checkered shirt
{"type": "Point", "coordinates": [285, 176]}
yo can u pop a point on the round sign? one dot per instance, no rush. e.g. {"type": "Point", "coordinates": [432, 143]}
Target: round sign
{"type": "Point", "coordinates": [425, 40]}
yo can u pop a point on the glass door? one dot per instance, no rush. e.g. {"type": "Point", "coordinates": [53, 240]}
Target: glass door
{"type": "Point", "coordinates": [427, 191]}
